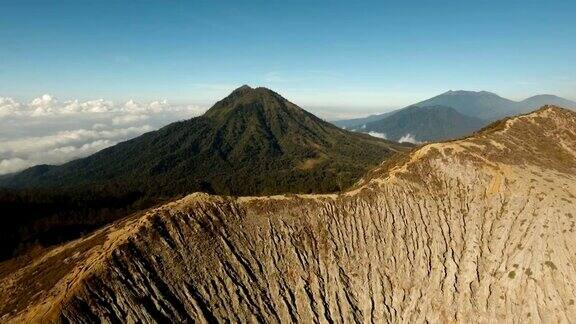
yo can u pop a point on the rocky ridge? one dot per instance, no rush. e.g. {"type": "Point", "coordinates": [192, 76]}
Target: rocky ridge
{"type": "Point", "coordinates": [474, 230]}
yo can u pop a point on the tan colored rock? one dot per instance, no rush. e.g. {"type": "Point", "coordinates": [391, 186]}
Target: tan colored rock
{"type": "Point", "coordinates": [476, 230]}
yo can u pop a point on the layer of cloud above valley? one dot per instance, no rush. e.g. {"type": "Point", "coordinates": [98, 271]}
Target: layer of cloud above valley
{"type": "Point", "coordinates": [49, 131]}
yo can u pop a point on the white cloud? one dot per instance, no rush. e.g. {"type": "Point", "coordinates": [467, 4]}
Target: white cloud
{"type": "Point", "coordinates": [376, 134]}
{"type": "Point", "coordinates": [64, 154]}
{"type": "Point", "coordinates": [66, 138]}
{"type": "Point", "coordinates": [49, 131]}
{"type": "Point", "coordinates": [8, 107]}
{"type": "Point", "coordinates": [45, 100]}
{"type": "Point", "coordinates": [48, 105]}
{"type": "Point", "coordinates": [129, 119]}
{"type": "Point", "coordinates": [13, 165]}
{"type": "Point", "coordinates": [61, 147]}
{"type": "Point", "coordinates": [92, 106]}
{"type": "Point", "coordinates": [56, 155]}
{"type": "Point", "coordinates": [131, 105]}
{"type": "Point", "coordinates": [43, 105]}
{"type": "Point", "coordinates": [99, 126]}
{"type": "Point", "coordinates": [157, 106]}
{"type": "Point", "coordinates": [409, 138]}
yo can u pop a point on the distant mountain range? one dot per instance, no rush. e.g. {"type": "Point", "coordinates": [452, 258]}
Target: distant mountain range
{"type": "Point", "coordinates": [468, 106]}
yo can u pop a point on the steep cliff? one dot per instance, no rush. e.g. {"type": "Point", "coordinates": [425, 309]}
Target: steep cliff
{"type": "Point", "coordinates": [474, 230]}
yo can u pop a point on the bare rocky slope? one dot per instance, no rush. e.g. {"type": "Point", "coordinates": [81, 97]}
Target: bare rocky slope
{"type": "Point", "coordinates": [475, 230]}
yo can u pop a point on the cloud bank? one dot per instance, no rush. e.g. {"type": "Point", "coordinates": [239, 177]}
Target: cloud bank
{"type": "Point", "coordinates": [49, 131]}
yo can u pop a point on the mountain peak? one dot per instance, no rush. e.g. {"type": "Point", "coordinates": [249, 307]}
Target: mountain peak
{"type": "Point", "coordinates": [549, 110]}
{"type": "Point", "coordinates": [531, 124]}
{"type": "Point", "coordinates": [246, 89]}
{"type": "Point", "coordinates": [545, 100]}
{"type": "Point", "coordinates": [245, 86]}
{"type": "Point", "coordinates": [252, 93]}
{"type": "Point", "coordinates": [242, 89]}
{"type": "Point", "coordinates": [246, 97]}
{"type": "Point", "coordinates": [481, 104]}
{"type": "Point", "coordinates": [544, 95]}
{"type": "Point", "coordinates": [467, 92]}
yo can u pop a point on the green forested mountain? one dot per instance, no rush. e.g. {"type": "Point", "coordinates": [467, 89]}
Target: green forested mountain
{"type": "Point", "coordinates": [252, 142]}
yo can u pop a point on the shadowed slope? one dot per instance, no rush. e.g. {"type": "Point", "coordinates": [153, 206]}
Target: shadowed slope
{"type": "Point", "coordinates": [473, 230]}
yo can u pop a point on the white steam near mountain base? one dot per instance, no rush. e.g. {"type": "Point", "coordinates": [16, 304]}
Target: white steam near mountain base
{"type": "Point", "coordinates": [376, 134]}
{"type": "Point", "coordinates": [47, 131]}
{"type": "Point", "coordinates": [409, 138]}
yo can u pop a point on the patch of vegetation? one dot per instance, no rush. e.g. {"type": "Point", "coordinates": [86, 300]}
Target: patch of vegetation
{"type": "Point", "coordinates": [512, 274]}
{"type": "Point", "coordinates": [550, 264]}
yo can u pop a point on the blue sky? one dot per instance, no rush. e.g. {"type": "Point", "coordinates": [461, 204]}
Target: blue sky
{"type": "Point", "coordinates": [340, 55]}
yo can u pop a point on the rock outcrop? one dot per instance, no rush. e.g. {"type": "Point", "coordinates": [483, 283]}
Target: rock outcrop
{"type": "Point", "coordinates": [475, 230]}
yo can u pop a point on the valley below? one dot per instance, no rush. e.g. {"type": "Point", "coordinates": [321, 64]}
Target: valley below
{"type": "Point", "coordinates": [479, 229]}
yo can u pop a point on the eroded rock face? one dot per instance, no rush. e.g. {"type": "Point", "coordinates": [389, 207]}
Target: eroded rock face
{"type": "Point", "coordinates": [475, 230]}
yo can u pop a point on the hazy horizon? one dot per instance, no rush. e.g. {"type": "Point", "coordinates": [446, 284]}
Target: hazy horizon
{"type": "Point", "coordinates": [327, 112]}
